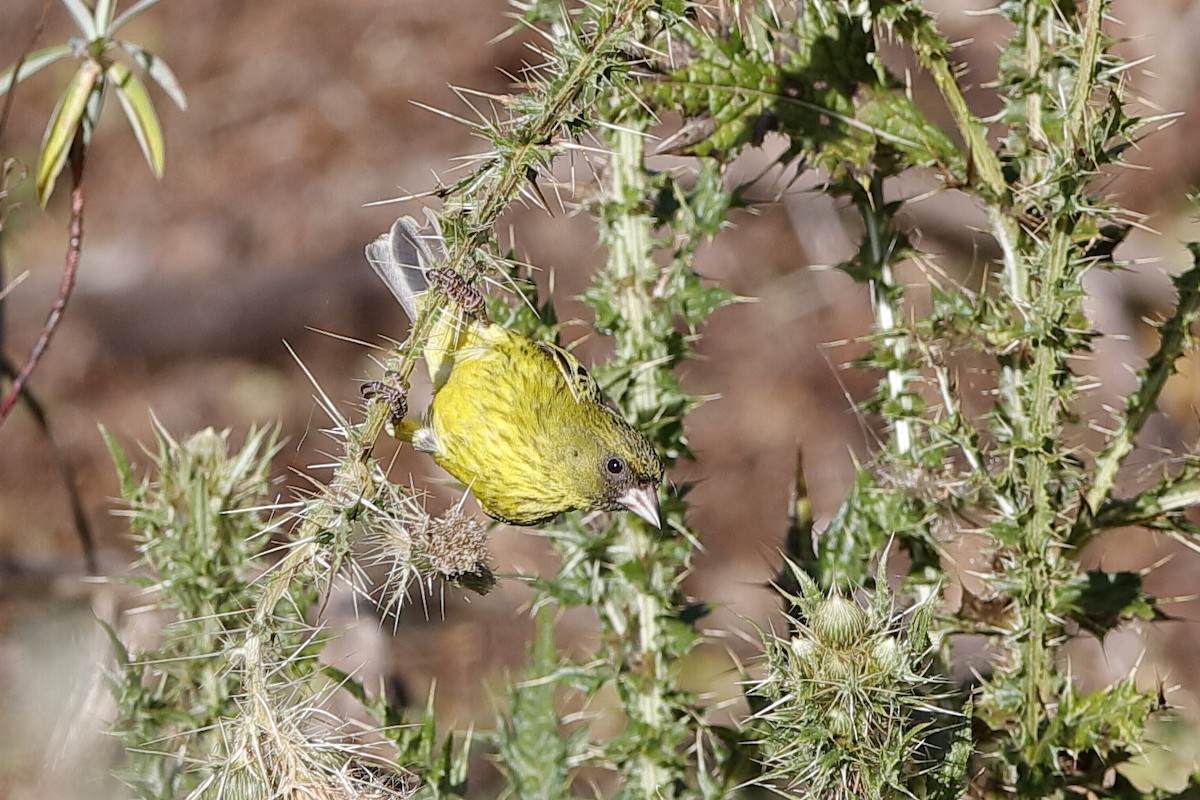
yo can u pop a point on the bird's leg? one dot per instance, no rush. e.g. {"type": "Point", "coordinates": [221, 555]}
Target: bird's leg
{"type": "Point", "coordinates": [393, 390]}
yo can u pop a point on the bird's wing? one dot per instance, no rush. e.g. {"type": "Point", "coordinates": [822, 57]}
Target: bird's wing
{"type": "Point", "coordinates": [582, 385]}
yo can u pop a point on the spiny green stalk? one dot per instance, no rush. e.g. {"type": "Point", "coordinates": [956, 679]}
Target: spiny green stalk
{"type": "Point", "coordinates": [633, 272]}
{"type": "Point", "coordinates": [916, 26]}
{"type": "Point", "coordinates": [887, 298]}
{"type": "Point", "coordinates": [1078, 113]}
{"type": "Point", "coordinates": [630, 263]}
{"type": "Point", "coordinates": [1033, 382]}
{"type": "Point", "coordinates": [1037, 548]}
{"type": "Point", "coordinates": [1151, 507]}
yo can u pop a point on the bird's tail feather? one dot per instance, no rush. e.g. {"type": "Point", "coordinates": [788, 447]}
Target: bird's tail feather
{"type": "Point", "coordinates": [402, 258]}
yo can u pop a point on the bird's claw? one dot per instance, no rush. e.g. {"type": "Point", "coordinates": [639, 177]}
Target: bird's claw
{"type": "Point", "coordinates": [456, 287]}
{"type": "Point", "coordinates": [393, 391]}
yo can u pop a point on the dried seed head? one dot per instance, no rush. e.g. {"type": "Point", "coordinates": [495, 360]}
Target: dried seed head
{"type": "Point", "coordinates": [412, 546]}
{"type": "Point", "coordinates": [456, 547]}
{"type": "Point", "coordinates": [286, 752]}
{"type": "Point", "coordinates": [361, 780]}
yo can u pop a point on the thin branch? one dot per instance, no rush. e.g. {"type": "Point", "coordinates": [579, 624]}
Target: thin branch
{"type": "Point", "coordinates": [74, 251]}
{"type": "Point", "coordinates": [66, 472]}
{"type": "Point", "coordinates": [83, 528]}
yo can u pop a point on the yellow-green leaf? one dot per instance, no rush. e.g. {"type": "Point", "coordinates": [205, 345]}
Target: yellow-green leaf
{"type": "Point", "coordinates": [64, 123]}
{"type": "Point", "coordinates": [130, 13]}
{"type": "Point", "coordinates": [159, 72]}
{"type": "Point", "coordinates": [139, 109]}
{"type": "Point", "coordinates": [103, 15]}
{"type": "Point", "coordinates": [83, 17]}
{"type": "Point", "coordinates": [34, 62]}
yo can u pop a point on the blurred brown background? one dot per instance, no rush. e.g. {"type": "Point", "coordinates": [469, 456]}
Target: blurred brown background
{"type": "Point", "coordinates": [300, 112]}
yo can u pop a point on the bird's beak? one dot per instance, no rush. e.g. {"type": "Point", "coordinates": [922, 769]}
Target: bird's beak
{"type": "Point", "coordinates": [643, 501]}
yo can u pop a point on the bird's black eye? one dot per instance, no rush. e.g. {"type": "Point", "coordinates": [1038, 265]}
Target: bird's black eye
{"type": "Point", "coordinates": [616, 466]}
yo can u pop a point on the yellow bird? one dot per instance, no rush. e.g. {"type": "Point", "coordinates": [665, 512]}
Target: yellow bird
{"type": "Point", "coordinates": [521, 423]}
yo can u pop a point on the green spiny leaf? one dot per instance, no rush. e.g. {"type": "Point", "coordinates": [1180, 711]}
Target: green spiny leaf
{"type": "Point", "coordinates": [1100, 600]}
{"type": "Point", "coordinates": [120, 462]}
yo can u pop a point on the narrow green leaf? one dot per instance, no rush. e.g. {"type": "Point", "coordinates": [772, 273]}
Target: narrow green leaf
{"type": "Point", "coordinates": [120, 652]}
{"type": "Point", "coordinates": [159, 72]}
{"type": "Point", "coordinates": [104, 15]}
{"type": "Point", "coordinates": [34, 62]}
{"type": "Point", "coordinates": [139, 109]}
{"type": "Point", "coordinates": [83, 17]}
{"type": "Point", "coordinates": [120, 462]}
{"type": "Point", "coordinates": [61, 131]}
{"type": "Point", "coordinates": [94, 104]}
{"type": "Point", "coordinates": [130, 13]}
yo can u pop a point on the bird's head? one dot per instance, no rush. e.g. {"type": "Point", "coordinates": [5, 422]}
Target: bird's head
{"type": "Point", "coordinates": [625, 469]}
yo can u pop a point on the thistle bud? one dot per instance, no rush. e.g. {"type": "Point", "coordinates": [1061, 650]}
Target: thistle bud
{"type": "Point", "coordinates": [886, 655]}
{"type": "Point", "coordinates": [804, 653]}
{"type": "Point", "coordinates": [841, 723]}
{"type": "Point", "coordinates": [838, 621]}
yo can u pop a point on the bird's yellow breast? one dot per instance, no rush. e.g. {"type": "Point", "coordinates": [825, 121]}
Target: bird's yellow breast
{"type": "Point", "coordinates": [508, 426]}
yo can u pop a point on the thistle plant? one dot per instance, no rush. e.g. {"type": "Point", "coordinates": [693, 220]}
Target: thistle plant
{"type": "Point", "coordinates": [855, 698]}
{"type": "Point", "coordinates": [198, 530]}
{"type": "Point", "coordinates": [1016, 470]}
{"type": "Point", "coordinates": [849, 707]}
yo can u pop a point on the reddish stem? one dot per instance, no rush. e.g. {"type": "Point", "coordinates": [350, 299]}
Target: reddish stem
{"type": "Point", "coordinates": [74, 250]}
